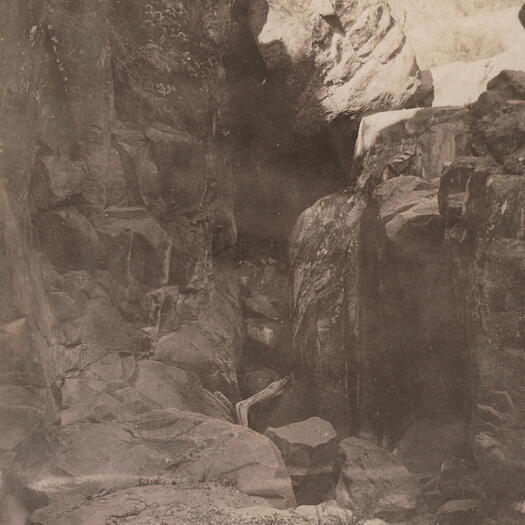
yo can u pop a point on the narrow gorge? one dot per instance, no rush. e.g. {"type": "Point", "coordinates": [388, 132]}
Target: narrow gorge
{"type": "Point", "coordinates": [261, 262]}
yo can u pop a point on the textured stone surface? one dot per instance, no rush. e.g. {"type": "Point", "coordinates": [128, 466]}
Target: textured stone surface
{"type": "Point", "coordinates": [167, 445]}
{"type": "Point", "coordinates": [438, 194]}
{"type": "Point", "coordinates": [373, 483]}
{"type": "Point", "coordinates": [116, 208]}
{"type": "Point", "coordinates": [335, 60]}
{"type": "Point", "coordinates": [309, 452]}
{"type": "Point", "coordinates": [373, 292]}
{"type": "Point", "coordinates": [484, 238]}
{"type": "Point", "coordinates": [192, 504]}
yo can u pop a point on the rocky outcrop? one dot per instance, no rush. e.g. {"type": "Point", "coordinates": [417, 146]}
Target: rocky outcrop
{"type": "Point", "coordinates": [136, 138]}
{"type": "Point", "coordinates": [333, 60]}
{"type": "Point", "coordinates": [485, 238]}
{"type": "Point", "coordinates": [437, 194]}
{"type": "Point", "coordinates": [364, 269]}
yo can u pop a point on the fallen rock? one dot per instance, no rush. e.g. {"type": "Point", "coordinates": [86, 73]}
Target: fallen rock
{"type": "Point", "coordinates": [373, 483]}
{"type": "Point", "coordinates": [365, 264]}
{"type": "Point", "coordinates": [309, 452]}
{"type": "Point", "coordinates": [458, 512]}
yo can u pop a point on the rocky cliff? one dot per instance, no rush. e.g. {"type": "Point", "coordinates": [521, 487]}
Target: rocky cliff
{"type": "Point", "coordinates": [154, 159]}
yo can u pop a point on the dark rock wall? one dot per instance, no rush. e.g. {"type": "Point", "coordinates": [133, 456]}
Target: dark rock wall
{"type": "Point", "coordinates": [117, 192]}
{"type": "Point", "coordinates": [407, 293]}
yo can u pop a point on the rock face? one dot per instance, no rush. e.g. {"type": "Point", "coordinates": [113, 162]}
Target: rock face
{"type": "Point", "coordinates": [375, 484]}
{"type": "Point", "coordinates": [129, 309]}
{"type": "Point", "coordinates": [166, 445]}
{"type": "Point", "coordinates": [335, 59]}
{"type": "Point", "coordinates": [365, 267]}
{"type": "Point", "coordinates": [437, 196]}
{"type": "Point", "coordinates": [485, 238]}
{"type": "Point", "coordinates": [308, 449]}
{"type": "Point", "coordinates": [115, 214]}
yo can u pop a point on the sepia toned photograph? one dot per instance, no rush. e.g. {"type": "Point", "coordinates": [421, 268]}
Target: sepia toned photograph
{"type": "Point", "coordinates": [262, 262]}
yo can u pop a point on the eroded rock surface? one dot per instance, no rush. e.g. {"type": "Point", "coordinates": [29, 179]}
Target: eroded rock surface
{"type": "Point", "coordinates": [309, 452]}
{"type": "Point", "coordinates": [335, 59]}
{"type": "Point", "coordinates": [437, 196]}
{"type": "Point", "coordinates": [374, 484]}
{"type": "Point", "coordinates": [167, 445]}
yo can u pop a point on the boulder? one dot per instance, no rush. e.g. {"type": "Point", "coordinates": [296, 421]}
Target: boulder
{"type": "Point", "coordinates": [373, 483]}
{"type": "Point", "coordinates": [373, 292]}
{"type": "Point", "coordinates": [166, 445]}
{"type": "Point", "coordinates": [334, 60]}
{"type": "Point", "coordinates": [309, 452]}
{"type": "Point", "coordinates": [322, 246]}
{"type": "Point", "coordinates": [171, 387]}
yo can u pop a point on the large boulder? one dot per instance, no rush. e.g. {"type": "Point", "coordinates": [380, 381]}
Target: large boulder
{"type": "Point", "coordinates": [334, 60]}
{"type": "Point", "coordinates": [373, 483]}
{"type": "Point", "coordinates": [166, 445]}
{"type": "Point", "coordinates": [309, 452]}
